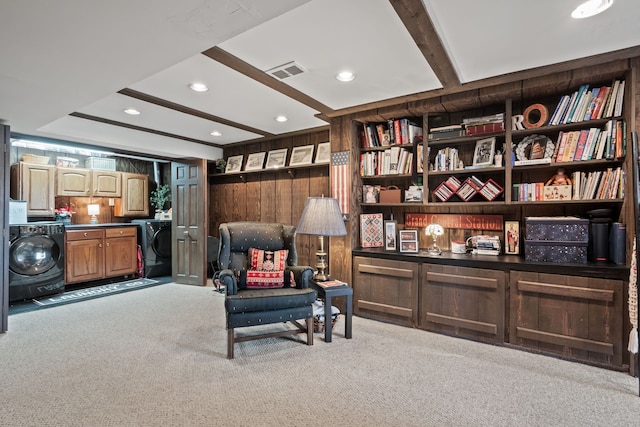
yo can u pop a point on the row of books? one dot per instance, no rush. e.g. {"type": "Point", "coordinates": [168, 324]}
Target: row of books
{"type": "Point", "coordinates": [589, 104]}
{"type": "Point", "coordinates": [395, 160]}
{"type": "Point", "coordinates": [446, 159]}
{"type": "Point", "coordinates": [593, 143]}
{"type": "Point", "coordinates": [391, 132]}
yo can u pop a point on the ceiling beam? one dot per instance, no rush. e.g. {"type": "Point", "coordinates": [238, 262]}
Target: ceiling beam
{"type": "Point", "coordinates": [258, 75]}
{"type": "Point", "coordinates": [191, 111]}
{"type": "Point", "coordinates": [415, 18]}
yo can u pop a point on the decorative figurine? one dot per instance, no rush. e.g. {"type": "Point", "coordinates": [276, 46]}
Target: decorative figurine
{"type": "Point", "coordinates": [559, 178]}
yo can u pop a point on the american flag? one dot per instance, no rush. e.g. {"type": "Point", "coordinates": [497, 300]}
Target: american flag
{"type": "Point", "coordinates": [340, 179]}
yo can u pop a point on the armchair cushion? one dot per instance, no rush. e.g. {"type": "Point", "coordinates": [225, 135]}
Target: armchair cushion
{"type": "Point", "coordinates": [261, 279]}
{"type": "Point", "coordinates": [268, 260]}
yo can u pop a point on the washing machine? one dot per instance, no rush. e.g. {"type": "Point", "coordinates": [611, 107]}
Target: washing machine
{"type": "Point", "coordinates": [155, 241]}
{"type": "Point", "coordinates": [36, 260]}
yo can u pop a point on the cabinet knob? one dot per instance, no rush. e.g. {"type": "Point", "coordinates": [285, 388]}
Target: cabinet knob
{"type": "Point", "coordinates": [99, 245]}
{"type": "Point", "coordinates": [121, 232]}
{"type": "Point", "coordinates": [85, 234]}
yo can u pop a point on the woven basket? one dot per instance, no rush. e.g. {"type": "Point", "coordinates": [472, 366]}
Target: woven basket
{"type": "Point", "coordinates": [318, 325]}
{"type": "Point", "coordinates": [32, 158]}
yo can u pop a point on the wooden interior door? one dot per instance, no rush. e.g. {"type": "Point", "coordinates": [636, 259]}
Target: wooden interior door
{"type": "Point", "coordinates": [4, 226]}
{"type": "Point", "coordinates": [189, 234]}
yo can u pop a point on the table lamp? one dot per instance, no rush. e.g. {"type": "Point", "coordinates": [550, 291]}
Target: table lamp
{"type": "Point", "coordinates": [93, 210]}
{"type": "Point", "coordinates": [321, 217]}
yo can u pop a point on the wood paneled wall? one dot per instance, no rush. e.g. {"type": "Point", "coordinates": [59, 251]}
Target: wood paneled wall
{"type": "Point", "coordinates": [270, 196]}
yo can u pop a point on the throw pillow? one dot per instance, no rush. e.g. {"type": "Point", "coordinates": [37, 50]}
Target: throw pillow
{"type": "Point", "coordinates": [268, 260]}
{"type": "Point", "coordinates": [256, 279]}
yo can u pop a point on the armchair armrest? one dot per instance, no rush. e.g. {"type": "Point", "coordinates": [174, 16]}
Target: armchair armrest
{"type": "Point", "coordinates": [228, 279]}
{"type": "Point", "coordinates": [302, 275]}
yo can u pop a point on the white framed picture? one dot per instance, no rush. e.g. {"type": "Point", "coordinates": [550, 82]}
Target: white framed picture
{"type": "Point", "coordinates": [301, 155]}
{"type": "Point", "coordinates": [323, 153]}
{"type": "Point", "coordinates": [276, 158]}
{"type": "Point", "coordinates": [408, 241]}
{"type": "Point", "coordinates": [234, 163]}
{"type": "Point", "coordinates": [255, 161]}
{"type": "Point", "coordinates": [485, 149]}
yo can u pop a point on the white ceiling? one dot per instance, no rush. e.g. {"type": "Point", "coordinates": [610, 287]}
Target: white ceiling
{"type": "Point", "coordinates": [70, 68]}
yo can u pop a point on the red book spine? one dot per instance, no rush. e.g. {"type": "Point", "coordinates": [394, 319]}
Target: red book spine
{"type": "Point", "coordinates": [486, 128]}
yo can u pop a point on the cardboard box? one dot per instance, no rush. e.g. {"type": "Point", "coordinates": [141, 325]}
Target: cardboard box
{"type": "Point", "coordinates": [557, 192]}
{"type": "Point", "coordinates": [391, 194]}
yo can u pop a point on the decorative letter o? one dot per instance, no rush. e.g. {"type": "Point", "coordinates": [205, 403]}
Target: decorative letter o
{"type": "Point", "coordinates": [541, 111]}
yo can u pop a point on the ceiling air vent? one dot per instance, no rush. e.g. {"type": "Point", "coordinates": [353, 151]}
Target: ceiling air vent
{"type": "Point", "coordinates": [287, 70]}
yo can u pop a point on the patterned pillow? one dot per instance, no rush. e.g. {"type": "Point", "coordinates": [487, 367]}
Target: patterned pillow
{"type": "Point", "coordinates": [256, 279]}
{"type": "Point", "coordinates": [268, 260]}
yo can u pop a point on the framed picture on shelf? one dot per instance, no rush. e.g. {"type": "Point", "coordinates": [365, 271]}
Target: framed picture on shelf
{"type": "Point", "coordinates": [485, 149]}
{"type": "Point", "coordinates": [511, 237]}
{"type": "Point", "coordinates": [323, 153]}
{"type": "Point", "coordinates": [390, 235]}
{"type": "Point", "coordinates": [371, 230]}
{"type": "Point", "coordinates": [276, 158]}
{"type": "Point", "coordinates": [234, 164]}
{"type": "Point", "coordinates": [301, 155]}
{"type": "Point", "coordinates": [408, 240]}
{"type": "Point", "coordinates": [255, 161]}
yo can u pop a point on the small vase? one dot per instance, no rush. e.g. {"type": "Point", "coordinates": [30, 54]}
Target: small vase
{"type": "Point", "coordinates": [65, 219]}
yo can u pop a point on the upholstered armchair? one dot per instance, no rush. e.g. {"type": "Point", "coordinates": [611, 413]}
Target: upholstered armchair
{"type": "Point", "coordinates": [263, 282]}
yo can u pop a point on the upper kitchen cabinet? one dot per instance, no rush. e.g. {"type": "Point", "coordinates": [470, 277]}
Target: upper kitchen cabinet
{"type": "Point", "coordinates": [134, 200]}
{"type": "Point", "coordinates": [106, 183]}
{"type": "Point", "coordinates": [73, 182]}
{"type": "Point", "coordinates": [34, 183]}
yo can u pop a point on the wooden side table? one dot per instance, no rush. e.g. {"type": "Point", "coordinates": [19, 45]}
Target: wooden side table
{"type": "Point", "coordinates": [328, 293]}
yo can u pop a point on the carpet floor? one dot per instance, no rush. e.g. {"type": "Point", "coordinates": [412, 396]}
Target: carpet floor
{"type": "Point", "coordinates": [157, 357]}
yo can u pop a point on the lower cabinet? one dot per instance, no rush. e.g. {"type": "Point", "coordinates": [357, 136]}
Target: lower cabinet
{"type": "Point", "coordinates": [386, 290]}
{"type": "Point", "coordinates": [579, 318]}
{"type": "Point", "coordinates": [462, 301]}
{"type": "Point", "coordinates": [100, 253]}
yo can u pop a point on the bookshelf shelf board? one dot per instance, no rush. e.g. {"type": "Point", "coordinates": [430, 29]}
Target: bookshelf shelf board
{"type": "Point", "coordinates": [567, 202]}
{"type": "Point", "coordinates": [467, 171]}
{"type": "Point", "coordinates": [386, 147]}
{"type": "Point", "coordinates": [517, 134]}
{"type": "Point", "coordinates": [463, 139]}
{"type": "Point", "coordinates": [399, 175]}
{"type": "Point", "coordinates": [578, 163]}
{"type": "Point", "coordinates": [403, 204]}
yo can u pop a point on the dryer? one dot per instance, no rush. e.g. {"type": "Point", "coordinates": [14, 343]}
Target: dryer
{"type": "Point", "coordinates": [36, 260]}
{"type": "Point", "coordinates": [155, 241]}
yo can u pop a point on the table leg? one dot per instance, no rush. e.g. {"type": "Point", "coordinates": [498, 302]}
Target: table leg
{"type": "Point", "coordinates": [327, 318]}
{"type": "Point", "coordinates": [348, 315]}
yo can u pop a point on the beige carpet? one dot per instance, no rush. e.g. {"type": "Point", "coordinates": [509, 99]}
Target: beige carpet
{"type": "Point", "coordinates": [157, 357]}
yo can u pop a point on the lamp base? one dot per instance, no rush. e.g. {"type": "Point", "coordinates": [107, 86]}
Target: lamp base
{"type": "Point", "coordinates": [321, 277]}
{"type": "Point", "coordinates": [93, 220]}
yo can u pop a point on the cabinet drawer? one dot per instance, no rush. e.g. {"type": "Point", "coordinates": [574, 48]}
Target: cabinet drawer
{"type": "Point", "coordinates": [120, 232]}
{"type": "Point", "coordinates": [83, 234]}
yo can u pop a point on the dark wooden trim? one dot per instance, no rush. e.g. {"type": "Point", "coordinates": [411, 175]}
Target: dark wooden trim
{"type": "Point", "coordinates": [564, 340]}
{"type": "Point", "coordinates": [474, 325]}
{"type": "Point", "coordinates": [385, 271]}
{"type": "Point", "coordinates": [606, 295]}
{"type": "Point", "coordinates": [278, 137]}
{"type": "Point", "coordinates": [191, 111]}
{"type": "Point", "coordinates": [475, 282]}
{"type": "Point", "coordinates": [140, 128]}
{"type": "Point", "coordinates": [385, 308]}
{"type": "Point", "coordinates": [415, 18]}
{"type": "Point", "coordinates": [533, 73]}
{"type": "Point", "coordinates": [254, 73]}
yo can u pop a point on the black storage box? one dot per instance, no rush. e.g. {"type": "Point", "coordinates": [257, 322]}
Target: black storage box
{"type": "Point", "coordinates": [556, 239]}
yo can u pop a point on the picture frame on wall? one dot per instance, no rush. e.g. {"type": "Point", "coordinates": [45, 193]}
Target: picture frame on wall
{"type": "Point", "coordinates": [484, 152]}
{"type": "Point", "coordinates": [234, 164]}
{"type": "Point", "coordinates": [255, 161]}
{"type": "Point", "coordinates": [302, 155]}
{"type": "Point", "coordinates": [276, 158]}
{"type": "Point", "coordinates": [323, 153]}
{"type": "Point", "coordinates": [408, 240]}
{"type": "Point", "coordinates": [390, 235]}
{"type": "Point", "coordinates": [512, 237]}
{"type": "Point", "coordinates": [371, 230]}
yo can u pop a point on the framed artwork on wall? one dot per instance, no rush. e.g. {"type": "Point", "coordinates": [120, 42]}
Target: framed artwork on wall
{"type": "Point", "coordinates": [390, 235]}
{"type": "Point", "coordinates": [511, 237]}
{"type": "Point", "coordinates": [408, 240]}
{"type": "Point", "coordinates": [301, 155]}
{"type": "Point", "coordinates": [255, 161]}
{"type": "Point", "coordinates": [234, 163]}
{"type": "Point", "coordinates": [323, 153]}
{"type": "Point", "coordinates": [371, 230]}
{"type": "Point", "coordinates": [276, 158]}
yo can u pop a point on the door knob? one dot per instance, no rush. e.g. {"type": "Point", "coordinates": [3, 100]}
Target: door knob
{"type": "Point", "coordinates": [186, 232]}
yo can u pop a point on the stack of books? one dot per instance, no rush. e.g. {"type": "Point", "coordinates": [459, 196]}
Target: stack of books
{"type": "Point", "coordinates": [445, 132]}
{"type": "Point", "coordinates": [485, 124]}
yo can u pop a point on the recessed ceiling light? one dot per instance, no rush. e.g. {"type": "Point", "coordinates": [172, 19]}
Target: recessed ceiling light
{"type": "Point", "coordinates": [216, 133]}
{"type": "Point", "coordinates": [345, 76]}
{"type": "Point", "coordinates": [591, 8]}
{"type": "Point", "coordinates": [281, 119]}
{"type": "Point", "coordinates": [198, 87]}
{"type": "Point", "coordinates": [132, 111]}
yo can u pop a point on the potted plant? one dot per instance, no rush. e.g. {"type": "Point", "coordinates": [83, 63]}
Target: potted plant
{"type": "Point", "coordinates": [160, 197]}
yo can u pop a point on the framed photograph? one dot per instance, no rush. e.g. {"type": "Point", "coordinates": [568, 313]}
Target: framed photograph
{"type": "Point", "coordinates": [276, 158]}
{"type": "Point", "coordinates": [301, 155]}
{"type": "Point", "coordinates": [390, 236]}
{"type": "Point", "coordinates": [255, 161]}
{"type": "Point", "coordinates": [512, 237]}
{"type": "Point", "coordinates": [323, 153]}
{"type": "Point", "coordinates": [485, 149]}
{"type": "Point", "coordinates": [408, 240]}
{"type": "Point", "coordinates": [370, 193]}
{"type": "Point", "coordinates": [234, 164]}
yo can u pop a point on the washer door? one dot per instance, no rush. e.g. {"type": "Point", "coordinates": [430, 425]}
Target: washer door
{"type": "Point", "coordinates": [33, 255]}
{"type": "Point", "coordinates": [161, 243]}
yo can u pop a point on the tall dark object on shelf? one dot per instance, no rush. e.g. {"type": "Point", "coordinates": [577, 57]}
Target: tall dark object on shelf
{"type": "Point", "coordinates": [636, 209]}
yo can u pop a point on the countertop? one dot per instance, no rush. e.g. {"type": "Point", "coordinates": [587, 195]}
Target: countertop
{"type": "Point", "coordinates": [106, 225]}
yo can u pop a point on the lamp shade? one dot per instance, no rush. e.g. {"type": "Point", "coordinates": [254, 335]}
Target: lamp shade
{"type": "Point", "coordinates": [93, 209]}
{"type": "Point", "coordinates": [321, 217]}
